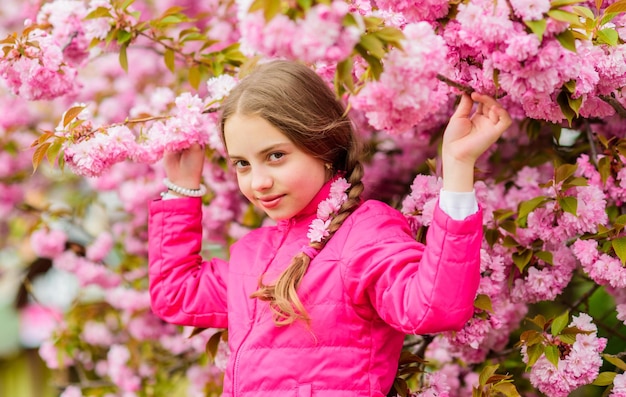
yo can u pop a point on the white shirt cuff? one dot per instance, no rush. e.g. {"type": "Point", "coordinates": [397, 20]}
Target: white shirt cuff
{"type": "Point", "coordinates": [458, 205]}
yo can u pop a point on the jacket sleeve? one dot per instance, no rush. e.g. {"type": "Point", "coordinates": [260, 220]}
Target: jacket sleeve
{"type": "Point", "coordinates": [184, 289]}
{"type": "Point", "coordinates": [416, 289]}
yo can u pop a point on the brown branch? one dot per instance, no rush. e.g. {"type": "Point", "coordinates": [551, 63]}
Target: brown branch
{"type": "Point", "coordinates": [611, 100]}
{"type": "Point", "coordinates": [454, 84]}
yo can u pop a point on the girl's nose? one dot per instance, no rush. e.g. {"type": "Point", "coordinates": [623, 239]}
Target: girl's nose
{"type": "Point", "coordinates": [261, 180]}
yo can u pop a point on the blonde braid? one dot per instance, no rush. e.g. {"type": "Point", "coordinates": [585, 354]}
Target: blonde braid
{"type": "Point", "coordinates": [282, 296]}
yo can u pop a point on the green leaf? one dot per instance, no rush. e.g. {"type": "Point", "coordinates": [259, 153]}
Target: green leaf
{"type": "Point", "coordinates": [564, 16]}
{"type": "Point", "coordinates": [618, 6]}
{"type": "Point", "coordinates": [619, 246]}
{"type": "Point", "coordinates": [123, 36]}
{"type": "Point", "coordinates": [604, 168]}
{"type": "Point", "coordinates": [391, 35]}
{"type": "Point", "coordinates": [552, 354]}
{"type": "Point", "coordinates": [100, 12]}
{"type": "Point", "coordinates": [376, 67]}
{"type": "Point", "coordinates": [560, 3]}
{"type": "Point", "coordinates": [506, 388]}
{"type": "Point", "coordinates": [212, 344]}
{"type": "Point", "coordinates": [567, 40]}
{"type": "Point", "coordinates": [124, 57]}
{"type": "Point", "coordinates": [127, 4]}
{"type": "Point", "coordinates": [71, 114]}
{"type": "Point", "coordinates": [343, 74]}
{"type": "Point", "coordinates": [539, 320]}
{"type": "Point", "coordinates": [534, 352]}
{"type": "Point", "coordinates": [604, 379]}
{"type": "Point", "coordinates": [559, 323]}
{"type": "Point", "coordinates": [486, 373]}
{"type": "Point", "coordinates": [537, 27]}
{"type": "Point", "coordinates": [608, 36]}
{"type": "Point", "coordinates": [577, 181]}
{"type": "Point", "coordinates": [568, 204]}
{"type": "Point", "coordinates": [545, 256]}
{"type": "Point", "coordinates": [39, 154]}
{"type": "Point", "coordinates": [373, 45]}
{"type": "Point", "coordinates": [483, 302]}
{"type": "Point", "coordinates": [606, 18]}
{"type": "Point", "coordinates": [526, 207]}
{"type": "Point", "coordinates": [570, 86]}
{"type": "Point", "coordinates": [401, 387]}
{"type": "Point", "coordinates": [575, 103]}
{"type": "Point", "coordinates": [491, 236]}
{"type": "Point", "coordinates": [305, 4]}
{"type": "Point", "coordinates": [615, 361]}
{"type": "Point", "coordinates": [564, 171]}
{"type": "Point", "coordinates": [531, 337]}
{"type": "Point", "coordinates": [53, 151]}
{"type": "Point", "coordinates": [522, 259]}
{"type": "Point", "coordinates": [169, 57]}
{"type": "Point", "coordinates": [194, 76]}
{"type": "Point", "coordinates": [271, 9]}
{"type": "Point", "coordinates": [584, 12]}
{"type": "Point", "coordinates": [563, 100]}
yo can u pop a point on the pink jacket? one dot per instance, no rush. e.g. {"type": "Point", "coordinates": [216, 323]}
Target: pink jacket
{"type": "Point", "coordinates": [371, 285]}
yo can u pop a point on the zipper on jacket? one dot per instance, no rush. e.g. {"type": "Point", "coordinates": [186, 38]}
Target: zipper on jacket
{"type": "Point", "coordinates": [285, 232]}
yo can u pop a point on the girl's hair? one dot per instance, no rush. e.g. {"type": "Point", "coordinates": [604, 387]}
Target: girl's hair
{"type": "Point", "coordinates": [296, 100]}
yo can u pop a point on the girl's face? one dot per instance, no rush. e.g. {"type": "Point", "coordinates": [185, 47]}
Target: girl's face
{"type": "Point", "coordinates": [272, 172]}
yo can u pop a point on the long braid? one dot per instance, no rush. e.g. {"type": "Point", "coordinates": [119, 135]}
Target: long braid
{"type": "Point", "coordinates": [283, 296]}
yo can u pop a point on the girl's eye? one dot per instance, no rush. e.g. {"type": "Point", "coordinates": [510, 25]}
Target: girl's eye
{"type": "Point", "coordinates": [240, 164]}
{"type": "Point", "coordinates": [276, 156]}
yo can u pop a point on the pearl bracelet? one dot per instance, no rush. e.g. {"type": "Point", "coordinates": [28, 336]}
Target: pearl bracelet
{"type": "Point", "coordinates": [201, 191]}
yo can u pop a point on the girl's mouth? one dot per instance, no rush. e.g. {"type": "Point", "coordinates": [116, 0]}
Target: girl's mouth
{"type": "Point", "coordinates": [270, 202]}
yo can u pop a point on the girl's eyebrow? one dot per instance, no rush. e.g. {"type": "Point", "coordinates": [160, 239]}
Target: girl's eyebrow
{"type": "Point", "coordinates": [263, 152]}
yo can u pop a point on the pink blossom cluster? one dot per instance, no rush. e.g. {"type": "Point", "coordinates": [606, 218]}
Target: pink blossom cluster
{"type": "Point", "coordinates": [484, 334]}
{"type": "Point", "coordinates": [96, 154]}
{"type": "Point", "coordinates": [419, 206]}
{"type": "Point", "coordinates": [408, 90]}
{"type": "Point", "coordinates": [579, 366]}
{"type": "Point", "coordinates": [532, 72]}
{"type": "Point", "coordinates": [90, 152]}
{"type": "Point", "coordinates": [614, 187]}
{"type": "Point", "coordinates": [415, 10]}
{"type": "Point", "coordinates": [118, 370]}
{"type": "Point", "coordinates": [186, 126]}
{"type": "Point", "coordinates": [318, 229]}
{"type": "Point", "coordinates": [65, 18]}
{"type": "Point", "coordinates": [48, 243]}
{"type": "Point", "coordinates": [87, 272]}
{"type": "Point", "coordinates": [619, 386]}
{"type": "Point", "coordinates": [434, 384]}
{"type": "Point", "coordinates": [34, 68]}
{"type": "Point", "coordinates": [320, 36]}
{"type": "Point", "coordinates": [604, 269]}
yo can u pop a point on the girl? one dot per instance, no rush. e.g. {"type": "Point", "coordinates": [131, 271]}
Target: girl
{"type": "Point", "coordinates": [319, 304]}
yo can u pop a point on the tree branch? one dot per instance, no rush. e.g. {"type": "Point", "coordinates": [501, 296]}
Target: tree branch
{"type": "Point", "coordinates": [611, 100]}
{"type": "Point", "coordinates": [454, 84]}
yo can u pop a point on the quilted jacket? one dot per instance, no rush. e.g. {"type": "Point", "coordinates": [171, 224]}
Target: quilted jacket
{"type": "Point", "coordinates": [371, 285]}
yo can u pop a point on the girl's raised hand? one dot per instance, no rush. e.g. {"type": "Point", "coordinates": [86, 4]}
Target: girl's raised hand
{"type": "Point", "coordinates": [184, 168]}
{"type": "Point", "coordinates": [468, 135]}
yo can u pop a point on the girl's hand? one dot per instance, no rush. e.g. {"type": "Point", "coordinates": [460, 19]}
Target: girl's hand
{"type": "Point", "coordinates": [467, 136]}
{"type": "Point", "coordinates": [184, 168]}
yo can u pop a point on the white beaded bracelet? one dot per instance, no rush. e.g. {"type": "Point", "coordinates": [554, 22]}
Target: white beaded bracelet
{"type": "Point", "coordinates": [201, 191]}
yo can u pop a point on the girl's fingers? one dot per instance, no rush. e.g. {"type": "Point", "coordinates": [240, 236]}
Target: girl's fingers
{"type": "Point", "coordinates": [464, 107]}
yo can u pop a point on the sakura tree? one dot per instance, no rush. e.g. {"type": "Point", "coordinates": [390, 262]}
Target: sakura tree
{"type": "Point", "coordinates": [94, 92]}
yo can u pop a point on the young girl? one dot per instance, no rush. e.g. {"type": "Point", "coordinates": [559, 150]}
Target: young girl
{"type": "Point", "coordinates": [319, 304]}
